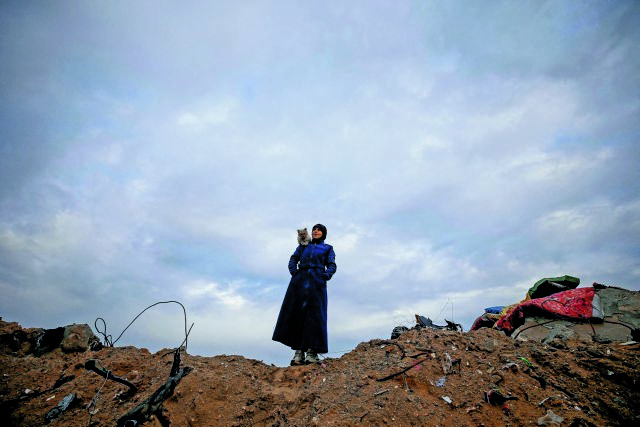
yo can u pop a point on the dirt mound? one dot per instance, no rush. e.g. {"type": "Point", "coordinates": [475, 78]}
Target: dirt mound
{"type": "Point", "coordinates": [425, 377]}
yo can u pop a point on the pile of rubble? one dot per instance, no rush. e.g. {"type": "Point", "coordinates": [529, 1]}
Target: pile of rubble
{"type": "Point", "coordinates": [563, 356]}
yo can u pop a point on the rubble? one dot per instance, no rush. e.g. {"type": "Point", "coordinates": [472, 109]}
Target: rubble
{"type": "Point", "coordinates": [379, 382]}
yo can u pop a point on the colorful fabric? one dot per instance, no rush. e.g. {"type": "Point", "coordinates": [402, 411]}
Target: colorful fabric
{"type": "Point", "coordinates": [572, 304]}
{"type": "Point", "coordinates": [494, 310]}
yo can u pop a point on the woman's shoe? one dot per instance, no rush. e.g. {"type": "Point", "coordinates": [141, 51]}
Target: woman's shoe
{"type": "Point", "coordinates": [312, 357]}
{"type": "Point", "coordinates": [298, 358]}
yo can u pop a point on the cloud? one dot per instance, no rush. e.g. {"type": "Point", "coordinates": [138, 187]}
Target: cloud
{"type": "Point", "coordinates": [596, 224]}
{"type": "Point", "coordinates": [228, 296]}
{"type": "Point", "coordinates": [207, 116]}
{"type": "Point", "coordinates": [457, 154]}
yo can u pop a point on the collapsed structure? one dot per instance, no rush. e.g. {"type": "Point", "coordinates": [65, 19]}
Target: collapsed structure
{"type": "Point", "coordinates": [430, 375]}
{"type": "Point", "coordinates": [557, 308]}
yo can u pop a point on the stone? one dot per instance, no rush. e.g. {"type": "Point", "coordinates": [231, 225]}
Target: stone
{"type": "Point", "coordinates": [62, 406]}
{"type": "Point", "coordinates": [550, 419]}
{"type": "Point", "coordinates": [77, 338]}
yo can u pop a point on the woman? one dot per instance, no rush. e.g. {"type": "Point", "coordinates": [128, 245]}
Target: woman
{"type": "Point", "coordinates": [302, 323]}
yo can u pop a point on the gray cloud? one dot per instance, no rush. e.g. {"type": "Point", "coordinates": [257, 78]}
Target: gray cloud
{"type": "Point", "coordinates": [457, 154]}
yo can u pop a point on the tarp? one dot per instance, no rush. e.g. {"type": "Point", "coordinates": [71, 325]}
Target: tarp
{"type": "Point", "coordinates": [576, 304]}
{"type": "Point", "coordinates": [551, 285]}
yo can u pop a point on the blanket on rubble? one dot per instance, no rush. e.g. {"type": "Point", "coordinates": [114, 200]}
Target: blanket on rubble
{"type": "Point", "coordinates": [575, 304]}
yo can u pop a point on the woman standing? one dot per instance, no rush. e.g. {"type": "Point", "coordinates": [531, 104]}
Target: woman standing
{"type": "Point", "coordinates": [302, 322]}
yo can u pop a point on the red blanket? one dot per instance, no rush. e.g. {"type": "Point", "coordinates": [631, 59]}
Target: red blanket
{"type": "Point", "coordinates": [573, 304]}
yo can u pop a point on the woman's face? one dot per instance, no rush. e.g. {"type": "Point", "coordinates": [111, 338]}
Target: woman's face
{"type": "Point", "coordinates": [316, 233]}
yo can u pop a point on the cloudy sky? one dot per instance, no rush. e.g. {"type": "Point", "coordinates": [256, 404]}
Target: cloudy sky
{"type": "Point", "coordinates": [457, 151]}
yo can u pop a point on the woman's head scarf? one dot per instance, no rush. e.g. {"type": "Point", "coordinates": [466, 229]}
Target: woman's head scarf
{"type": "Point", "coordinates": [324, 232]}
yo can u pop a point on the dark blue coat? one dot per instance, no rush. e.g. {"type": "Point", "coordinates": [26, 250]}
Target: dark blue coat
{"type": "Point", "coordinates": [302, 322]}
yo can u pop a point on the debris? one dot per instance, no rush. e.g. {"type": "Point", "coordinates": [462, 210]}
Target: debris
{"type": "Point", "coordinates": [425, 322]}
{"type": "Point", "coordinates": [526, 361]}
{"type": "Point", "coordinates": [92, 365]}
{"type": "Point", "coordinates": [63, 380]}
{"type": "Point", "coordinates": [441, 381]}
{"type": "Point", "coordinates": [582, 313]}
{"type": "Point", "coordinates": [447, 399]}
{"type": "Point", "coordinates": [495, 398]}
{"type": "Point", "coordinates": [494, 310]}
{"type": "Point", "coordinates": [402, 371]}
{"type": "Point", "coordinates": [219, 392]}
{"type": "Point", "coordinates": [549, 286]}
{"type": "Point", "coordinates": [550, 419]}
{"type": "Point", "coordinates": [543, 401]}
{"type": "Point", "coordinates": [60, 408]}
{"type": "Point", "coordinates": [510, 366]}
{"type": "Point", "coordinates": [153, 403]}
{"type": "Point", "coordinates": [458, 363]}
{"type": "Point", "coordinates": [446, 364]}
{"type": "Point", "coordinates": [397, 331]}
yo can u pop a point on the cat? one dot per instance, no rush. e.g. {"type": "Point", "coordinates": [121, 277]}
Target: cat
{"type": "Point", "coordinates": [303, 236]}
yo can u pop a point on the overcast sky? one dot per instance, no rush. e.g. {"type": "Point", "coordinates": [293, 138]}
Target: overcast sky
{"type": "Point", "coordinates": [456, 151]}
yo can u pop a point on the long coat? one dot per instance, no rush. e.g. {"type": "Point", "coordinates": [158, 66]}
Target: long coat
{"type": "Point", "coordinates": [302, 322]}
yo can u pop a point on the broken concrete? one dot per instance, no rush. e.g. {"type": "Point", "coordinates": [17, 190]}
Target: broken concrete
{"type": "Point", "coordinates": [620, 321]}
{"type": "Point", "coordinates": [75, 338]}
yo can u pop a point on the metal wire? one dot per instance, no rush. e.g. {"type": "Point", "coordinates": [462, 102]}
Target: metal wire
{"type": "Point", "coordinates": [108, 338]}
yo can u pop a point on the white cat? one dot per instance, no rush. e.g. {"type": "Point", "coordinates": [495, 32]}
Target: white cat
{"type": "Point", "coordinates": [303, 236]}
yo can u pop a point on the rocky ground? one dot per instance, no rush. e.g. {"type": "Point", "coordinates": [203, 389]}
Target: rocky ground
{"type": "Point", "coordinates": [426, 377]}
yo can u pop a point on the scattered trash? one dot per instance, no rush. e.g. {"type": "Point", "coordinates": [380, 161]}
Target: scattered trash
{"type": "Point", "coordinates": [425, 322]}
{"type": "Point", "coordinates": [549, 286]}
{"type": "Point", "coordinates": [526, 361]}
{"type": "Point", "coordinates": [447, 399]}
{"type": "Point", "coordinates": [495, 398]}
{"type": "Point", "coordinates": [447, 363]}
{"type": "Point", "coordinates": [59, 408]}
{"type": "Point", "coordinates": [397, 331]}
{"type": "Point", "coordinates": [63, 380]}
{"type": "Point", "coordinates": [543, 401]}
{"type": "Point", "coordinates": [402, 371]}
{"type": "Point", "coordinates": [92, 365]}
{"type": "Point", "coordinates": [510, 366]}
{"type": "Point", "coordinates": [441, 381]}
{"type": "Point", "coordinates": [52, 397]}
{"type": "Point", "coordinates": [540, 379]}
{"type": "Point", "coordinates": [27, 391]}
{"type": "Point", "coordinates": [144, 410]}
{"type": "Point", "coordinates": [550, 419]}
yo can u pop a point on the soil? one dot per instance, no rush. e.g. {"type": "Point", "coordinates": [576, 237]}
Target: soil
{"type": "Point", "coordinates": [585, 384]}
